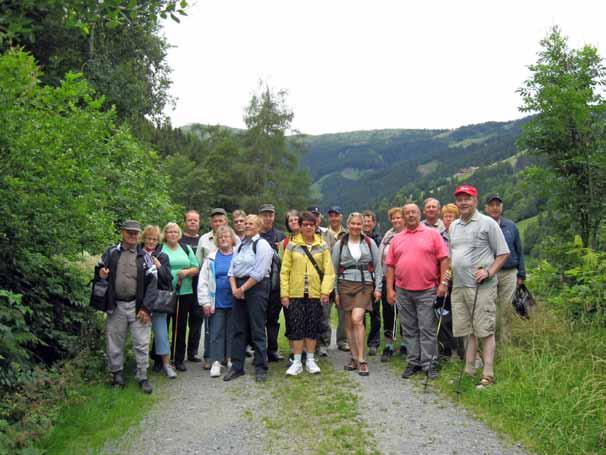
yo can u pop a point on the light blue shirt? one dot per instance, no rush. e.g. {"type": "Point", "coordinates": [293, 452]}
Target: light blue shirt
{"type": "Point", "coordinates": [248, 264]}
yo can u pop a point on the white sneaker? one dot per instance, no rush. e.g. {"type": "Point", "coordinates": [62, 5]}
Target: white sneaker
{"type": "Point", "coordinates": [295, 369]}
{"type": "Point", "coordinates": [215, 369]}
{"type": "Point", "coordinates": [312, 367]}
{"type": "Point", "coordinates": [168, 370]}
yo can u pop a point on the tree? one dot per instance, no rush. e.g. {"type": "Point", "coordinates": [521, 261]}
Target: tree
{"type": "Point", "coordinates": [70, 175]}
{"type": "Point", "coordinates": [565, 91]}
{"type": "Point", "coordinates": [269, 161]}
{"type": "Point", "coordinates": [115, 43]}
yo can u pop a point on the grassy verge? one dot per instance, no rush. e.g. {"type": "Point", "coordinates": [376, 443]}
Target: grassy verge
{"type": "Point", "coordinates": [319, 414]}
{"type": "Point", "coordinates": [94, 415]}
{"type": "Point", "coordinates": [551, 387]}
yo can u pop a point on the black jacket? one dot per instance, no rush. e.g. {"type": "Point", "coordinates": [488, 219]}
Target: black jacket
{"type": "Point", "coordinates": [165, 278]}
{"type": "Point", "coordinates": [147, 281]}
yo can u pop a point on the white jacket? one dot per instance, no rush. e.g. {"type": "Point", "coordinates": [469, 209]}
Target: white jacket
{"type": "Point", "coordinates": [207, 286]}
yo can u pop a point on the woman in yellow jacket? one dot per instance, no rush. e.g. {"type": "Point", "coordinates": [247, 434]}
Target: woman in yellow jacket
{"type": "Point", "coordinates": [306, 280]}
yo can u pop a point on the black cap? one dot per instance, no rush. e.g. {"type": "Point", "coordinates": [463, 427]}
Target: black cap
{"type": "Point", "coordinates": [131, 225]}
{"type": "Point", "coordinates": [335, 209]}
{"type": "Point", "coordinates": [314, 209]}
{"type": "Point", "coordinates": [267, 208]}
{"type": "Point", "coordinates": [218, 211]}
{"type": "Point", "coordinates": [494, 197]}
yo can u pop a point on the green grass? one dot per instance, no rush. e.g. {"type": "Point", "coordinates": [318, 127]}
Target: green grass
{"type": "Point", "coordinates": [96, 414]}
{"type": "Point", "coordinates": [319, 413]}
{"type": "Point", "coordinates": [551, 387]}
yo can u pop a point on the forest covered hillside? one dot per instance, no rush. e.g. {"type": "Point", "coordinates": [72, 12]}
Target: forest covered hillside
{"type": "Point", "coordinates": [363, 169]}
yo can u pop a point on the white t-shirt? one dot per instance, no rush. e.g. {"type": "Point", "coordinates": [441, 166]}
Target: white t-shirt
{"type": "Point", "coordinates": [354, 249]}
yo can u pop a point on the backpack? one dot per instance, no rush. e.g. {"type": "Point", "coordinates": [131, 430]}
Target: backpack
{"type": "Point", "coordinates": [274, 271]}
{"type": "Point", "coordinates": [371, 266]}
{"type": "Point", "coordinates": [523, 301]}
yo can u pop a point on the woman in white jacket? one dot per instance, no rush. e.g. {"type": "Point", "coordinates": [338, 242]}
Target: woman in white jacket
{"type": "Point", "coordinates": [214, 294]}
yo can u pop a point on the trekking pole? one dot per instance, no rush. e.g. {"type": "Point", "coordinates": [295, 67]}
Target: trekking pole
{"type": "Point", "coordinates": [176, 323]}
{"type": "Point", "coordinates": [473, 311]}
{"type": "Point", "coordinates": [437, 335]}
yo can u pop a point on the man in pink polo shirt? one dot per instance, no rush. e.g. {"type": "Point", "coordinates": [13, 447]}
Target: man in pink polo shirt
{"type": "Point", "coordinates": [418, 262]}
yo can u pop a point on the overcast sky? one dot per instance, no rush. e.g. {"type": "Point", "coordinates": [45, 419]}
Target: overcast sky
{"type": "Point", "coordinates": [353, 65]}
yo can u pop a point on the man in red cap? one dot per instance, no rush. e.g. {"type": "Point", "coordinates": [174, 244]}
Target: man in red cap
{"type": "Point", "coordinates": [477, 251]}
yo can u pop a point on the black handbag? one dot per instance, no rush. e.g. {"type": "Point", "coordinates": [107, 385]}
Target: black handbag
{"type": "Point", "coordinates": [166, 301]}
{"type": "Point", "coordinates": [98, 296]}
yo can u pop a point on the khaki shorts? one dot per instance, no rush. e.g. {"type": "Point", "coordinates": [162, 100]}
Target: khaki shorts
{"type": "Point", "coordinates": [485, 315]}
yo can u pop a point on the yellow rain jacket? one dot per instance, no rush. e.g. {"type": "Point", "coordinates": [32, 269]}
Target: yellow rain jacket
{"type": "Point", "coordinates": [296, 264]}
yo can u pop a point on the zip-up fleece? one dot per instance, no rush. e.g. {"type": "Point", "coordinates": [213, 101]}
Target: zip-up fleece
{"type": "Point", "coordinates": [296, 264]}
{"type": "Point", "coordinates": [207, 286]}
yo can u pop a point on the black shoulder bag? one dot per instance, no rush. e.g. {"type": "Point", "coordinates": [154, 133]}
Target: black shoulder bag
{"type": "Point", "coordinates": [314, 263]}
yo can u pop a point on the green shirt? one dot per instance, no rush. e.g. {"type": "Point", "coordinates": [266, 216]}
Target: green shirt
{"type": "Point", "coordinates": [180, 260]}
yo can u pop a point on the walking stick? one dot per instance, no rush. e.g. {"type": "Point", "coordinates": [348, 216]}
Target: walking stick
{"type": "Point", "coordinates": [176, 323]}
{"type": "Point", "coordinates": [437, 336]}
{"type": "Point", "coordinates": [473, 311]}
{"type": "Point", "coordinates": [395, 319]}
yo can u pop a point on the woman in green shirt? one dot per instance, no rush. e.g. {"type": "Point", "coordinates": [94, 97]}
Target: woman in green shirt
{"type": "Point", "coordinates": [183, 266]}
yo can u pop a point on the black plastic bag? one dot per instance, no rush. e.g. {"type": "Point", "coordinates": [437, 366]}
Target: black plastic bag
{"type": "Point", "coordinates": [523, 301]}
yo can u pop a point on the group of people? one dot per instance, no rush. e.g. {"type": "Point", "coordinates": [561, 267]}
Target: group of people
{"type": "Point", "coordinates": [450, 264]}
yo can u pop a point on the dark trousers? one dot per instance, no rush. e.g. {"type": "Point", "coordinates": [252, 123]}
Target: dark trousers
{"type": "Point", "coordinates": [447, 342]}
{"type": "Point", "coordinates": [196, 317]}
{"type": "Point", "coordinates": [273, 324]}
{"type": "Point", "coordinates": [187, 314]}
{"type": "Point", "coordinates": [374, 334]}
{"type": "Point", "coordinates": [247, 315]}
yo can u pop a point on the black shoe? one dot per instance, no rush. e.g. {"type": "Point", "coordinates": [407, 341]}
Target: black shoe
{"type": "Point", "coordinates": [387, 354]}
{"type": "Point", "coordinates": [117, 379]}
{"type": "Point", "coordinates": [411, 370]}
{"type": "Point", "coordinates": [180, 366]}
{"type": "Point", "coordinates": [145, 386]}
{"type": "Point", "coordinates": [403, 350]}
{"type": "Point", "coordinates": [261, 376]}
{"type": "Point", "coordinates": [372, 350]}
{"type": "Point", "coordinates": [232, 374]}
{"type": "Point", "coordinates": [158, 367]}
{"type": "Point", "coordinates": [274, 356]}
{"type": "Point", "coordinates": [432, 372]}
{"type": "Point", "coordinates": [194, 359]}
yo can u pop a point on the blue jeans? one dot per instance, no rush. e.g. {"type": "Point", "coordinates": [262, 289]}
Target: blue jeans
{"type": "Point", "coordinates": [160, 329]}
{"type": "Point", "coordinates": [220, 334]}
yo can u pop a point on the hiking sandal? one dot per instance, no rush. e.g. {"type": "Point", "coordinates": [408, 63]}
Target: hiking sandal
{"type": "Point", "coordinates": [351, 366]}
{"type": "Point", "coordinates": [363, 368]}
{"type": "Point", "coordinates": [486, 382]}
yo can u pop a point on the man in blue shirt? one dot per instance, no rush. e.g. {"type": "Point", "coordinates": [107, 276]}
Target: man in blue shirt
{"type": "Point", "coordinates": [512, 273]}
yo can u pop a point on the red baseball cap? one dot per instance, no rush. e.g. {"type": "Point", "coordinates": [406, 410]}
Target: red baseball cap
{"type": "Point", "coordinates": [466, 189]}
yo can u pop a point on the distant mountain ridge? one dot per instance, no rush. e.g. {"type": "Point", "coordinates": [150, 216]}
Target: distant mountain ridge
{"type": "Point", "coordinates": [361, 169]}
{"type": "Point", "coordinates": [368, 169]}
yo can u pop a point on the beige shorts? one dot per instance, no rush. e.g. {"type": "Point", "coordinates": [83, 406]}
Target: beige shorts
{"type": "Point", "coordinates": [485, 315]}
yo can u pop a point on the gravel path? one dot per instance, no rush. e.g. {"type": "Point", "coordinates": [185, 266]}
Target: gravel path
{"type": "Point", "coordinates": [405, 420]}
{"type": "Point", "coordinates": [200, 415]}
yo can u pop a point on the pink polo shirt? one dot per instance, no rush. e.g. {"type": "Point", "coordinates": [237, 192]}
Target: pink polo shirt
{"type": "Point", "coordinates": [415, 256]}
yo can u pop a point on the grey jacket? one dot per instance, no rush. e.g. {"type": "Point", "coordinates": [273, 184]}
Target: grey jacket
{"type": "Point", "coordinates": [343, 263]}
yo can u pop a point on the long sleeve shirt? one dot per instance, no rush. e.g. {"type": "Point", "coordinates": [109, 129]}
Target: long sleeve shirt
{"type": "Point", "coordinates": [247, 263]}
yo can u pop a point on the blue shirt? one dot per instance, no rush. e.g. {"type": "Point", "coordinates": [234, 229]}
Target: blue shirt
{"type": "Point", "coordinates": [223, 296]}
{"type": "Point", "coordinates": [248, 264]}
{"type": "Point", "coordinates": [516, 254]}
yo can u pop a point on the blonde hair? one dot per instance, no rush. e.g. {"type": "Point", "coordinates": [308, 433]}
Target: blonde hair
{"type": "Point", "coordinates": [392, 211]}
{"type": "Point", "coordinates": [170, 226]}
{"type": "Point", "coordinates": [150, 229]}
{"type": "Point", "coordinates": [226, 230]}
{"type": "Point", "coordinates": [450, 208]}
{"type": "Point", "coordinates": [255, 219]}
